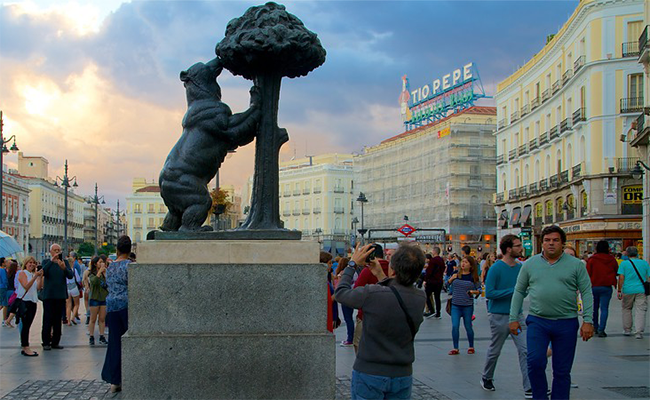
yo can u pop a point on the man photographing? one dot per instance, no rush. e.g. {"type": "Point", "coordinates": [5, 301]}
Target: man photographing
{"type": "Point", "coordinates": [551, 280]}
{"type": "Point", "coordinates": [392, 315]}
{"type": "Point", "coordinates": [55, 293]}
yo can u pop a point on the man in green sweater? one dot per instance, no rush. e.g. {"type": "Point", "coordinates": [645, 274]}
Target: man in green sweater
{"type": "Point", "coordinates": [552, 280]}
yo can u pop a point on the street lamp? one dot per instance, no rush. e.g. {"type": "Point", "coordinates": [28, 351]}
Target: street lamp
{"type": "Point", "coordinates": [65, 182]}
{"type": "Point", "coordinates": [637, 172]}
{"type": "Point", "coordinates": [118, 215]}
{"type": "Point", "coordinates": [362, 199]}
{"type": "Point", "coordinates": [355, 221]}
{"type": "Point", "coordinates": [13, 149]}
{"type": "Point", "coordinates": [96, 201]}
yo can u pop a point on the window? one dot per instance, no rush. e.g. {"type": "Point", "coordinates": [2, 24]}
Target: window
{"type": "Point", "coordinates": [635, 85]}
{"type": "Point", "coordinates": [536, 129]}
{"type": "Point", "coordinates": [537, 90]}
{"type": "Point", "coordinates": [634, 29]}
{"type": "Point", "coordinates": [150, 209]}
{"type": "Point", "coordinates": [474, 170]}
{"type": "Point", "coordinates": [150, 223]}
{"type": "Point", "coordinates": [526, 135]}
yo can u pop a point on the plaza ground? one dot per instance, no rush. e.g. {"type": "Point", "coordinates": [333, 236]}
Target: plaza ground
{"type": "Point", "coordinates": [616, 367]}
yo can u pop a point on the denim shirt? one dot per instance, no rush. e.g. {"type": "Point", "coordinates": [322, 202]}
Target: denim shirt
{"type": "Point", "coordinates": [118, 280]}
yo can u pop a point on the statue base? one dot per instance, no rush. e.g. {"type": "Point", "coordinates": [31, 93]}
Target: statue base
{"type": "Point", "coordinates": [244, 234]}
{"type": "Point", "coordinates": [228, 320]}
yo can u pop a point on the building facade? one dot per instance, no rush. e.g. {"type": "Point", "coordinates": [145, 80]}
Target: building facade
{"type": "Point", "coordinates": [145, 209]}
{"type": "Point", "coordinates": [439, 176]}
{"type": "Point", "coordinates": [105, 229]}
{"type": "Point", "coordinates": [561, 156]}
{"type": "Point", "coordinates": [15, 212]}
{"type": "Point", "coordinates": [47, 209]}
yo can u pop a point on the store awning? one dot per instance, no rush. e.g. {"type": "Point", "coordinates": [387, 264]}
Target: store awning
{"type": "Point", "coordinates": [525, 215]}
{"type": "Point", "coordinates": [503, 219]}
{"type": "Point", "coordinates": [516, 213]}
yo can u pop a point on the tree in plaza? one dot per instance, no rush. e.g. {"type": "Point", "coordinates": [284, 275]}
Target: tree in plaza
{"type": "Point", "coordinates": [266, 44]}
{"type": "Point", "coordinates": [221, 204]}
{"type": "Point", "coordinates": [86, 249]}
{"type": "Point", "coordinates": [106, 250]}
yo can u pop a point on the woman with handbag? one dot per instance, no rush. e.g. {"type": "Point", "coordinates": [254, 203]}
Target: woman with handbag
{"type": "Point", "coordinates": [26, 300]}
{"type": "Point", "coordinates": [465, 285]}
{"type": "Point", "coordinates": [97, 301]}
{"type": "Point", "coordinates": [72, 303]}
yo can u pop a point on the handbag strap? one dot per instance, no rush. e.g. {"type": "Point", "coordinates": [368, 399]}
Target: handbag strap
{"type": "Point", "coordinates": [409, 320]}
{"type": "Point", "coordinates": [637, 272]}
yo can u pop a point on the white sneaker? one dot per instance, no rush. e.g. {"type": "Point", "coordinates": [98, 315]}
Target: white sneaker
{"type": "Point", "coordinates": [639, 335]}
{"type": "Point", "coordinates": [627, 333]}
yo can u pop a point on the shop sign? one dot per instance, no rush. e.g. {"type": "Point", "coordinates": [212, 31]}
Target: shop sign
{"type": "Point", "coordinates": [447, 95]}
{"type": "Point", "coordinates": [602, 226]}
{"type": "Point", "coordinates": [444, 132]}
{"type": "Point", "coordinates": [633, 194]}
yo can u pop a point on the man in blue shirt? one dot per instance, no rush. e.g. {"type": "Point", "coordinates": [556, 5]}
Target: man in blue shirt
{"type": "Point", "coordinates": [631, 291]}
{"type": "Point", "coordinates": [499, 288]}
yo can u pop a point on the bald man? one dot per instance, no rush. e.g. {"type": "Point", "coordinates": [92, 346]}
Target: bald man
{"type": "Point", "coordinates": [55, 272]}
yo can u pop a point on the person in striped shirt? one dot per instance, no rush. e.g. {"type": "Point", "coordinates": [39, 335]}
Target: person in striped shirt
{"type": "Point", "coordinates": [464, 286]}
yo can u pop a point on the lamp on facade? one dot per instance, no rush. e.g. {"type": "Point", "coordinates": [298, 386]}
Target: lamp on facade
{"type": "Point", "coordinates": [65, 183]}
{"type": "Point", "coordinates": [13, 149]}
{"type": "Point", "coordinates": [96, 201]}
{"type": "Point", "coordinates": [637, 172]}
{"type": "Point", "coordinates": [362, 199]}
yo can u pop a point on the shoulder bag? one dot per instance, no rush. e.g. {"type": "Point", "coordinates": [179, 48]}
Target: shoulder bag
{"type": "Point", "coordinates": [409, 320]}
{"type": "Point", "coordinates": [646, 284]}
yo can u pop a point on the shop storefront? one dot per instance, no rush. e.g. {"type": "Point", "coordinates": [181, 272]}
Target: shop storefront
{"type": "Point", "coordinates": [619, 231]}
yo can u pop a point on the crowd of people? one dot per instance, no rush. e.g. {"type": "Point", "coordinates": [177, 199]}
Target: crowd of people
{"type": "Point", "coordinates": [393, 296]}
{"type": "Point", "coordinates": [60, 284]}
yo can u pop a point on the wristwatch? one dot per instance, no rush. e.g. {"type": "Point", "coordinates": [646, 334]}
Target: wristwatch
{"type": "Point", "coordinates": [352, 264]}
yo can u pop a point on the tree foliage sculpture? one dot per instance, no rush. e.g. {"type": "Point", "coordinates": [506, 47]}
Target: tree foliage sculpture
{"type": "Point", "coordinates": [266, 44]}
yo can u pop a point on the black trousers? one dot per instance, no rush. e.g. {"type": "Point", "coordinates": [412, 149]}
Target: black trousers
{"type": "Point", "coordinates": [435, 289]}
{"type": "Point", "coordinates": [51, 333]}
{"type": "Point", "coordinates": [27, 320]}
{"type": "Point", "coordinates": [118, 324]}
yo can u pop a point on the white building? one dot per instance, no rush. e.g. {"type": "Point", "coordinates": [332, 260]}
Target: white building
{"type": "Point", "coordinates": [15, 215]}
{"type": "Point", "coordinates": [145, 209]}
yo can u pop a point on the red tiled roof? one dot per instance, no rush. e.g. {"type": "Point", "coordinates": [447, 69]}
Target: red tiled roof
{"type": "Point", "coordinates": [149, 189]}
{"type": "Point", "coordinates": [476, 110]}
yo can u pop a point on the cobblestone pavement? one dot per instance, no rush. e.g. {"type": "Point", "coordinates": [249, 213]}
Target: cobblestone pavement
{"type": "Point", "coordinates": [79, 389]}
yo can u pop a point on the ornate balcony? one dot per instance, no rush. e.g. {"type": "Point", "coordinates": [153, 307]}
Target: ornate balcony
{"type": "Point", "coordinates": [500, 159]}
{"type": "Point", "coordinates": [631, 105]}
{"type": "Point", "coordinates": [554, 132]}
{"type": "Point", "coordinates": [522, 191]}
{"type": "Point", "coordinates": [555, 180]}
{"type": "Point", "coordinates": [543, 184]}
{"type": "Point", "coordinates": [630, 49]}
{"type": "Point", "coordinates": [533, 144]}
{"type": "Point", "coordinates": [546, 94]}
{"type": "Point", "coordinates": [339, 189]}
{"type": "Point", "coordinates": [525, 110]}
{"type": "Point", "coordinates": [564, 176]}
{"type": "Point", "coordinates": [543, 139]}
{"type": "Point", "coordinates": [306, 211]}
{"type": "Point", "coordinates": [317, 190]}
{"type": "Point", "coordinates": [512, 194]}
{"type": "Point", "coordinates": [512, 154]}
{"type": "Point", "coordinates": [316, 210]}
{"type": "Point", "coordinates": [523, 149]}
{"type": "Point", "coordinates": [338, 210]}
{"type": "Point", "coordinates": [579, 115]}
{"type": "Point", "coordinates": [296, 192]}
{"type": "Point", "coordinates": [556, 86]}
{"type": "Point", "coordinates": [565, 125]}
{"type": "Point", "coordinates": [499, 198]}
{"type": "Point", "coordinates": [566, 76]}
{"type": "Point", "coordinates": [533, 189]}
{"type": "Point", "coordinates": [501, 124]}
{"type": "Point", "coordinates": [535, 103]}
{"type": "Point", "coordinates": [514, 116]}
{"type": "Point", "coordinates": [626, 164]}
{"type": "Point", "coordinates": [286, 213]}
{"type": "Point", "coordinates": [296, 212]}
{"type": "Point", "coordinates": [306, 191]}
{"type": "Point", "coordinates": [643, 44]}
{"type": "Point", "coordinates": [576, 171]}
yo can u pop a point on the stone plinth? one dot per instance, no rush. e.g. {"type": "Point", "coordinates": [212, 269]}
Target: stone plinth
{"type": "Point", "coordinates": [229, 320]}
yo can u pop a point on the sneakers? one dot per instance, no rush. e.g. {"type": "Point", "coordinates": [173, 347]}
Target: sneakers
{"type": "Point", "coordinates": [487, 384]}
{"type": "Point", "coordinates": [602, 334]}
{"type": "Point", "coordinates": [627, 333]}
{"type": "Point", "coordinates": [91, 340]}
{"type": "Point", "coordinates": [437, 316]}
{"type": "Point", "coordinates": [639, 335]}
{"type": "Point", "coordinates": [76, 320]}
{"type": "Point", "coordinates": [528, 394]}
{"type": "Point", "coordinates": [47, 347]}
{"type": "Point", "coordinates": [102, 340]}
{"type": "Point", "coordinates": [344, 343]}
{"type": "Point", "coordinates": [427, 314]}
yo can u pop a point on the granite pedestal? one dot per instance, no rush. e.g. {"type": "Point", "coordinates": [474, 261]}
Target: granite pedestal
{"type": "Point", "coordinates": [228, 320]}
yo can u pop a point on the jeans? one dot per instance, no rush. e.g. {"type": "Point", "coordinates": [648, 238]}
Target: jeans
{"type": "Point", "coordinates": [365, 386]}
{"type": "Point", "coordinates": [500, 330]}
{"type": "Point", "coordinates": [602, 296]}
{"type": "Point", "coordinates": [563, 336]}
{"type": "Point", "coordinates": [118, 322]}
{"type": "Point", "coordinates": [349, 321]}
{"type": "Point", "coordinates": [435, 289]}
{"type": "Point", "coordinates": [26, 322]}
{"type": "Point", "coordinates": [466, 313]}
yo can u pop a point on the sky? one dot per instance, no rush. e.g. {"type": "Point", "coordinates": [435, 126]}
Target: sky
{"type": "Point", "coordinates": [97, 83]}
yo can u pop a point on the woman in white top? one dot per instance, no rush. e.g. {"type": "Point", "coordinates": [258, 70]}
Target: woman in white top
{"type": "Point", "coordinates": [72, 303]}
{"type": "Point", "coordinates": [26, 290]}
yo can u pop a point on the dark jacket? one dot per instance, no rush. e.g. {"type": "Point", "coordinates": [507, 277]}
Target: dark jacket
{"type": "Point", "coordinates": [602, 268]}
{"type": "Point", "coordinates": [54, 284]}
{"type": "Point", "coordinates": [435, 270]}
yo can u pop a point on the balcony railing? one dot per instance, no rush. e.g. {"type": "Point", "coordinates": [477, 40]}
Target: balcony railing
{"type": "Point", "coordinates": [297, 192]}
{"type": "Point", "coordinates": [568, 74]}
{"type": "Point", "coordinates": [643, 39]}
{"type": "Point", "coordinates": [525, 110]}
{"type": "Point", "coordinates": [475, 183]}
{"type": "Point", "coordinates": [626, 164]}
{"type": "Point", "coordinates": [564, 176]}
{"type": "Point", "coordinates": [514, 116]}
{"type": "Point", "coordinates": [546, 94]}
{"type": "Point", "coordinates": [522, 191]}
{"type": "Point", "coordinates": [306, 191]}
{"type": "Point", "coordinates": [306, 211]}
{"type": "Point", "coordinates": [286, 213]}
{"type": "Point", "coordinates": [630, 49]}
{"type": "Point", "coordinates": [631, 105]}
{"type": "Point", "coordinates": [554, 181]}
{"type": "Point", "coordinates": [532, 188]}
{"type": "Point", "coordinates": [535, 103]}
{"type": "Point", "coordinates": [500, 159]}
{"type": "Point", "coordinates": [579, 115]}
{"type": "Point", "coordinates": [543, 139]}
{"type": "Point", "coordinates": [287, 193]}
{"type": "Point", "coordinates": [512, 154]}
{"type": "Point", "coordinates": [576, 171]}
{"type": "Point", "coordinates": [512, 194]}
{"type": "Point", "coordinates": [338, 210]}
{"type": "Point", "coordinates": [317, 190]}
{"type": "Point", "coordinates": [499, 197]}
{"type": "Point", "coordinates": [316, 210]}
{"type": "Point", "coordinates": [296, 212]}
{"type": "Point", "coordinates": [579, 63]}
{"type": "Point", "coordinates": [556, 86]}
{"type": "Point", "coordinates": [533, 144]}
{"type": "Point", "coordinates": [543, 184]}
{"type": "Point", "coordinates": [554, 132]}
{"type": "Point", "coordinates": [502, 123]}
{"type": "Point", "coordinates": [338, 189]}
{"type": "Point", "coordinates": [565, 125]}
{"type": "Point", "coordinates": [523, 149]}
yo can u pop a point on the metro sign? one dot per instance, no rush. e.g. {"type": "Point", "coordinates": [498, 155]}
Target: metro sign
{"type": "Point", "coordinates": [406, 230]}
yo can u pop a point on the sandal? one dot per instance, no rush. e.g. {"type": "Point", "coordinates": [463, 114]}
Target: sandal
{"type": "Point", "coordinates": [454, 352]}
{"type": "Point", "coordinates": [470, 350]}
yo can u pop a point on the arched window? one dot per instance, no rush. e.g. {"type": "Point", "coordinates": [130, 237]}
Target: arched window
{"type": "Point", "coordinates": [582, 149]}
{"type": "Point", "coordinates": [537, 178]}
{"type": "Point", "coordinates": [526, 175]}
{"type": "Point", "coordinates": [547, 167]}
{"type": "Point", "coordinates": [569, 156]}
{"type": "Point", "coordinates": [559, 161]}
{"type": "Point", "coordinates": [516, 180]}
{"type": "Point", "coordinates": [503, 179]}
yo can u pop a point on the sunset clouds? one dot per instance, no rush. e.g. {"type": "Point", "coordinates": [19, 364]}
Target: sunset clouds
{"type": "Point", "coordinates": [97, 82]}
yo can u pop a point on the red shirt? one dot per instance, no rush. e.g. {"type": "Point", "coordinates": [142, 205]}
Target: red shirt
{"type": "Point", "coordinates": [602, 269]}
{"type": "Point", "coordinates": [367, 278]}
